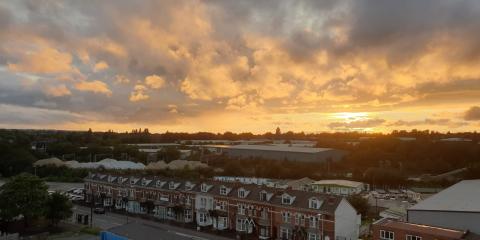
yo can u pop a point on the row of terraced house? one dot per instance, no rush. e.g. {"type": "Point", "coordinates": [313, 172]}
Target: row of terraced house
{"type": "Point", "coordinates": [257, 211]}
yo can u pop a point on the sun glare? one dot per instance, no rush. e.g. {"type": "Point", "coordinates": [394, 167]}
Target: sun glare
{"type": "Point", "coordinates": [351, 116]}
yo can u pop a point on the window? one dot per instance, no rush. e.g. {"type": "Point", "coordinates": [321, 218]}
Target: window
{"type": "Point", "coordinates": [264, 232]}
{"type": "Point", "coordinates": [222, 222]}
{"type": "Point", "coordinates": [285, 233]}
{"type": "Point", "coordinates": [287, 200]}
{"type": "Point", "coordinates": [241, 225]}
{"type": "Point", "coordinates": [188, 214]}
{"type": "Point", "coordinates": [204, 187]}
{"type": "Point", "coordinates": [202, 218]}
{"type": "Point", "coordinates": [313, 236]}
{"type": "Point", "coordinates": [221, 205]}
{"type": "Point", "coordinates": [286, 217]}
{"type": "Point", "coordinates": [241, 193]}
{"type": "Point", "coordinates": [302, 220]}
{"type": "Point", "coordinates": [387, 235]}
{"type": "Point", "coordinates": [264, 213]}
{"type": "Point", "coordinates": [203, 202]}
{"type": "Point", "coordinates": [171, 185]}
{"type": "Point", "coordinates": [241, 209]}
{"type": "Point", "coordinates": [263, 196]}
{"type": "Point", "coordinates": [297, 219]}
{"type": "Point", "coordinates": [132, 193]}
{"type": "Point", "coordinates": [412, 237]}
{"type": "Point", "coordinates": [314, 203]}
{"type": "Point", "coordinates": [313, 222]}
{"type": "Point", "coordinates": [159, 183]}
{"type": "Point", "coordinates": [188, 200]}
{"type": "Point", "coordinates": [223, 190]}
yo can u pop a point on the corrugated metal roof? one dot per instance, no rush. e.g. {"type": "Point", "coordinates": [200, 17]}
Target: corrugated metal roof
{"type": "Point", "coordinates": [273, 148]}
{"type": "Point", "coordinates": [461, 197]}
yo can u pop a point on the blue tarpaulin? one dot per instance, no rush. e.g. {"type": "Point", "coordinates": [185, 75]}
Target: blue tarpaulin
{"type": "Point", "coordinates": [110, 236]}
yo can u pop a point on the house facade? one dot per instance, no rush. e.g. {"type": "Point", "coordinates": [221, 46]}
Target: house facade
{"type": "Point", "coordinates": [250, 210]}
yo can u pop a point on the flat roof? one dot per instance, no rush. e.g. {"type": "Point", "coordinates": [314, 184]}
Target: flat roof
{"type": "Point", "coordinates": [418, 228]}
{"type": "Point", "coordinates": [339, 182]}
{"type": "Point", "coordinates": [273, 148]}
{"type": "Point", "coordinates": [461, 197]}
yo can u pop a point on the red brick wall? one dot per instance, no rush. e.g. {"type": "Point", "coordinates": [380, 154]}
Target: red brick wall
{"type": "Point", "coordinates": [401, 234]}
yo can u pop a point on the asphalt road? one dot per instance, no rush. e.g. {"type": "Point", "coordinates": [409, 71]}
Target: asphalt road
{"type": "Point", "coordinates": [138, 228]}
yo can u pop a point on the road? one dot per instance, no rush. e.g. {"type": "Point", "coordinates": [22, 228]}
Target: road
{"type": "Point", "coordinates": [138, 228]}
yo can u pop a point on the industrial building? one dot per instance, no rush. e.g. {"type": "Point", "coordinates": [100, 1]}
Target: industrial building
{"type": "Point", "coordinates": [457, 207]}
{"type": "Point", "coordinates": [275, 152]}
{"type": "Point", "coordinates": [338, 187]}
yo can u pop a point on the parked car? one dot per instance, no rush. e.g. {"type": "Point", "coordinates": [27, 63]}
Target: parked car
{"type": "Point", "coordinates": [99, 210]}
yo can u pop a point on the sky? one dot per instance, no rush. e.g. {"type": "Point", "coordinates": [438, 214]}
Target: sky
{"type": "Point", "coordinates": [241, 66]}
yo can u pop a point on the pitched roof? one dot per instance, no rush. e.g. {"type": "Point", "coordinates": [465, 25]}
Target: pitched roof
{"type": "Point", "coordinates": [461, 197]}
{"type": "Point", "coordinates": [329, 202]}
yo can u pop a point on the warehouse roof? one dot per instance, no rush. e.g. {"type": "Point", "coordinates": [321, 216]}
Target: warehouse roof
{"type": "Point", "coordinates": [273, 148]}
{"type": "Point", "coordinates": [339, 182]}
{"type": "Point", "coordinates": [461, 197]}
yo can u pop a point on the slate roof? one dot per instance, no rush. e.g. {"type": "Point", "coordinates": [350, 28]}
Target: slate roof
{"type": "Point", "coordinates": [329, 203]}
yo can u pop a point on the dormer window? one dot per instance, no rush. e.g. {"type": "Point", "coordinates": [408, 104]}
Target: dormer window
{"type": "Point", "coordinates": [263, 196]}
{"type": "Point", "coordinates": [314, 203]}
{"type": "Point", "coordinates": [159, 184]}
{"type": "Point", "coordinates": [189, 186]}
{"type": "Point", "coordinates": [241, 193]}
{"type": "Point", "coordinates": [287, 199]}
{"type": "Point", "coordinates": [171, 185]}
{"type": "Point", "coordinates": [204, 187]}
{"type": "Point", "coordinates": [223, 190]}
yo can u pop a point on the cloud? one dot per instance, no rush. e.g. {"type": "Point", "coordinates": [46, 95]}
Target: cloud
{"type": "Point", "coordinates": [359, 124]}
{"type": "Point", "coordinates": [45, 60]}
{"type": "Point", "coordinates": [154, 81]}
{"type": "Point", "coordinates": [120, 79]}
{"type": "Point", "coordinates": [138, 93]}
{"type": "Point", "coordinates": [428, 122]}
{"type": "Point", "coordinates": [57, 91]}
{"type": "Point", "coordinates": [472, 114]}
{"type": "Point", "coordinates": [100, 66]}
{"type": "Point", "coordinates": [95, 86]}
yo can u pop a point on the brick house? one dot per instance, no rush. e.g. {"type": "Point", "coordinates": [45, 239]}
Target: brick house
{"type": "Point", "coordinates": [260, 211]}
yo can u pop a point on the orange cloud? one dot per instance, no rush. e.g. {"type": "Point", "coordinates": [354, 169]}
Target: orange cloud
{"type": "Point", "coordinates": [100, 66]}
{"type": "Point", "coordinates": [138, 93]}
{"type": "Point", "coordinates": [45, 60]}
{"type": "Point", "coordinates": [154, 81]}
{"type": "Point", "coordinates": [57, 91]}
{"type": "Point", "coordinates": [95, 86]}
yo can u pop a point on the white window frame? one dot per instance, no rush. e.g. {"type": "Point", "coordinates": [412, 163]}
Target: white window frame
{"type": "Point", "coordinates": [223, 190]}
{"type": "Point", "coordinates": [412, 237]}
{"type": "Point", "coordinates": [241, 209]}
{"type": "Point", "coordinates": [286, 217]}
{"type": "Point", "coordinates": [204, 187]}
{"type": "Point", "coordinates": [287, 232]}
{"type": "Point", "coordinates": [203, 202]}
{"type": "Point", "coordinates": [263, 196]}
{"type": "Point", "coordinates": [313, 236]}
{"type": "Point", "coordinates": [314, 204]}
{"type": "Point", "coordinates": [241, 193]}
{"type": "Point", "coordinates": [187, 214]}
{"type": "Point", "coordinates": [286, 200]}
{"type": "Point", "coordinates": [383, 235]}
{"type": "Point", "coordinates": [202, 218]}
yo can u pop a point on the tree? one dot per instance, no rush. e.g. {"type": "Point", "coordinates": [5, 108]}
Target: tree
{"type": "Point", "coordinates": [57, 208]}
{"type": "Point", "coordinates": [24, 195]}
{"type": "Point", "coordinates": [359, 203]}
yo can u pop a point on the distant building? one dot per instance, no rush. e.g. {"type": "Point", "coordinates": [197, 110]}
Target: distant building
{"type": "Point", "coordinates": [275, 152]}
{"type": "Point", "coordinates": [389, 229]}
{"type": "Point", "coordinates": [338, 187]}
{"type": "Point", "coordinates": [456, 207]}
